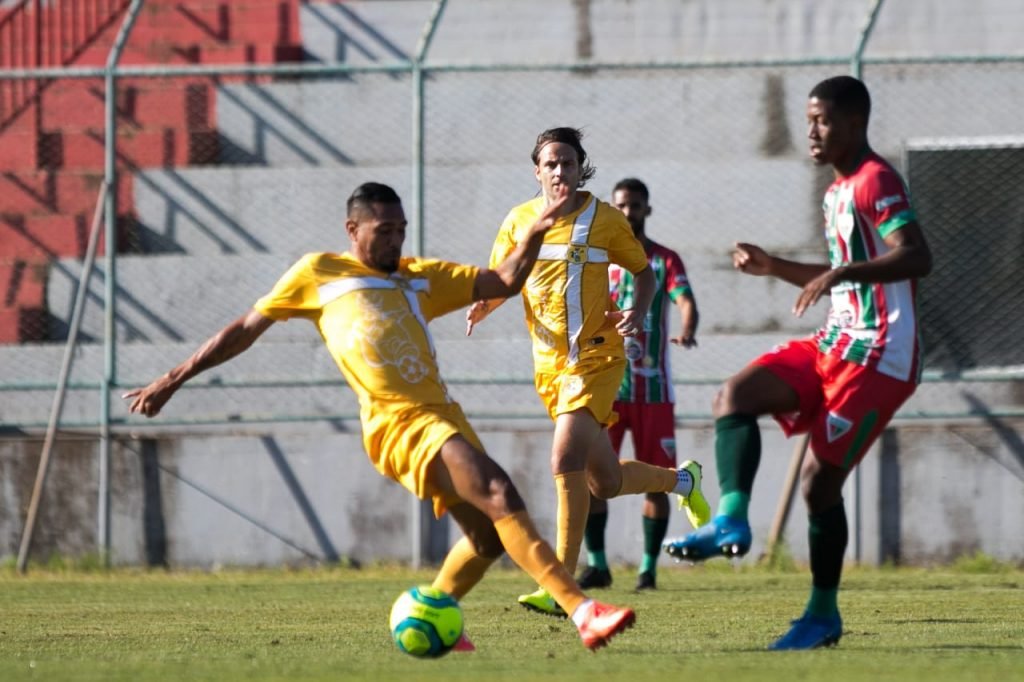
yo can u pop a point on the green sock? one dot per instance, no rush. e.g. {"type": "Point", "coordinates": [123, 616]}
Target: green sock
{"type": "Point", "coordinates": [827, 535]}
{"type": "Point", "coordinates": [593, 535]}
{"type": "Point", "coordinates": [737, 454]}
{"type": "Point", "coordinates": [654, 535]}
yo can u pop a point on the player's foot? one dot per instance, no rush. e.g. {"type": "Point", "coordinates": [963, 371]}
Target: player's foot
{"type": "Point", "coordinates": [724, 536]}
{"type": "Point", "coordinates": [592, 577]}
{"type": "Point", "coordinates": [604, 622]}
{"type": "Point", "coordinates": [542, 602]}
{"type": "Point", "coordinates": [463, 644]}
{"type": "Point", "coordinates": [810, 632]}
{"type": "Point", "coordinates": [646, 581]}
{"type": "Point", "coordinates": [696, 505]}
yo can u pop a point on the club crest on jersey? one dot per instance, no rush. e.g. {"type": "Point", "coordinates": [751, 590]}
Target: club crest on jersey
{"type": "Point", "coordinates": [576, 253]}
{"type": "Point", "coordinates": [633, 350]}
{"type": "Point", "coordinates": [836, 427]}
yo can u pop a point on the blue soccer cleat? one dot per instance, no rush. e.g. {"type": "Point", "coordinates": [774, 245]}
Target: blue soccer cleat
{"type": "Point", "coordinates": [724, 536]}
{"type": "Point", "coordinates": [810, 632]}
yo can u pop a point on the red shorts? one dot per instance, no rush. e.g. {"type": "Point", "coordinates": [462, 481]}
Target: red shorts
{"type": "Point", "coordinates": [844, 406]}
{"type": "Point", "coordinates": [653, 426]}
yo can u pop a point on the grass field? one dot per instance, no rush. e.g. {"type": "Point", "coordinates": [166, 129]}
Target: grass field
{"type": "Point", "coordinates": [704, 623]}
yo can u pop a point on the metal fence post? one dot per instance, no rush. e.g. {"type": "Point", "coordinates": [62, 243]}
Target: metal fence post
{"type": "Point", "coordinates": [109, 336]}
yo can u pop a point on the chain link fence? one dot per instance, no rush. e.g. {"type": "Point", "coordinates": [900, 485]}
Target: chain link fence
{"type": "Point", "coordinates": [225, 178]}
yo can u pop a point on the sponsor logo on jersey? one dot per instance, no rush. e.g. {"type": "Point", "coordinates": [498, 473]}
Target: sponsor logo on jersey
{"type": "Point", "coordinates": [633, 350]}
{"type": "Point", "coordinates": [886, 202]}
{"type": "Point", "coordinates": [836, 426]}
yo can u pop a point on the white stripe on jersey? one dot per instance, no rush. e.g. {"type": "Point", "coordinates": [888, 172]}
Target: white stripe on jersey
{"type": "Point", "coordinates": [579, 254]}
{"type": "Point", "coordinates": [333, 290]}
{"type": "Point", "coordinates": [574, 281]}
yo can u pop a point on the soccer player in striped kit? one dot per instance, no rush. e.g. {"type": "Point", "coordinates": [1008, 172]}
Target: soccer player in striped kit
{"type": "Point", "coordinates": [578, 352]}
{"type": "Point", "coordinates": [841, 385]}
{"type": "Point", "coordinates": [645, 403]}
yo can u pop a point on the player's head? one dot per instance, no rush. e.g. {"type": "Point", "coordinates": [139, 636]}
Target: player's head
{"type": "Point", "coordinates": [838, 110]}
{"type": "Point", "coordinates": [559, 159]}
{"type": "Point", "coordinates": [376, 223]}
{"type": "Point", "coordinates": [632, 198]}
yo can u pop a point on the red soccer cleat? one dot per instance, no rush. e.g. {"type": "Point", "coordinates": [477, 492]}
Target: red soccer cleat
{"type": "Point", "coordinates": [604, 622]}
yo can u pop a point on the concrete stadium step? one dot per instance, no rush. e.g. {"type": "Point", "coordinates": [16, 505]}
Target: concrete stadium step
{"type": "Point", "coordinates": [489, 378]}
{"type": "Point", "coordinates": [178, 298]}
{"type": "Point", "coordinates": [496, 31]}
{"type": "Point", "coordinates": [261, 210]}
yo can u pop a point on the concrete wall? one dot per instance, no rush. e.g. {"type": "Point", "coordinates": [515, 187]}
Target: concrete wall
{"type": "Point", "coordinates": [272, 495]}
{"type": "Point", "coordinates": [723, 153]}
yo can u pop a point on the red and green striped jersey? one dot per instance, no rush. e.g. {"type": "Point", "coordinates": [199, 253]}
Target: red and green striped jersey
{"type": "Point", "coordinates": [648, 378]}
{"type": "Point", "coordinates": [871, 324]}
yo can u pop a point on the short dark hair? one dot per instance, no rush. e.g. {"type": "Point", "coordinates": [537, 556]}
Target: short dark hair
{"type": "Point", "coordinates": [571, 137]}
{"type": "Point", "coordinates": [846, 93]}
{"type": "Point", "coordinates": [632, 185]}
{"type": "Point", "coordinates": [371, 193]}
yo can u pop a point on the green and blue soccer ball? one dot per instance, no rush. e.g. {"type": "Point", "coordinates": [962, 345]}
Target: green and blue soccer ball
{"type": "Point", "coordinates": [425, 622]}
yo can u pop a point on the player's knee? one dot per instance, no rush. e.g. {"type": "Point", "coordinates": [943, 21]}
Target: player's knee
{"type": "Point", "coordinates": [724, 402]}
{"type": "Point", "coordinates": [488, 545]}
{"type": "Point", "coordinates": [604, 488]}
{"type": "Point", "coordinates": [503, 496]}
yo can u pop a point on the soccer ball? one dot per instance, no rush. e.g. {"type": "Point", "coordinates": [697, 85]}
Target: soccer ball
{"type": "Point", "coordinates": [425, 622]}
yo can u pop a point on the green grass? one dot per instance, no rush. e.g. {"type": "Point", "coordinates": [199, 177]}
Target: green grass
{"type": "Point", "coordinates": [705, 624]}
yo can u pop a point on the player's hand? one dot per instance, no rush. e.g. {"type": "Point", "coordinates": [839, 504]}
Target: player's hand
{"type": "Point", "coordinates": [814, 290]}
{"type": "Point", "coordinates": [475, 314]}
{"type": "Point", "coordinates": [751, 259]}
{"type": "Point", "coordinates": [150, 400]}
{"type": "Point", "coordinates": [552, 212]}
{"type": "Point", "coordinates": [686, 340]}
{"type": "Point", "coordinates": [627, 322]}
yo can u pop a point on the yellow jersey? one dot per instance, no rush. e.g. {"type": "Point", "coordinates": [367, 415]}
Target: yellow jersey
{"type": "Point", "coordinates": [566, 295]}
{"type": "Point", "coordinates": [374, 323]}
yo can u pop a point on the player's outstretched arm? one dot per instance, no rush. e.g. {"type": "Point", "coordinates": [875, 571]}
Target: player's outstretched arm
{"type": "Point", "coordinates": [492, 287]}
{"type": "Point", "coordinates": [689, 318]}
{"type": "Point", "coordinates": [908, 258]}
{"type": "Point", "coordinates": [753, 260]}
{"type": "Point", "coordinates": [221, 347]}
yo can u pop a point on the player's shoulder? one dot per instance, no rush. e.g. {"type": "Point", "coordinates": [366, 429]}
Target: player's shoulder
{"type": "Point", "coordinates": [606, 213]}
{"type": "Point", "coordinates": [877, 177]}
{"type": "Point", "coordinates": [421, 266]}
{"type": "Point", "coordinates": [876, 168]}
{"type": "Point", "coordinates": [526, 211]}
{"type": "Point", "coordinates": [664, 252]}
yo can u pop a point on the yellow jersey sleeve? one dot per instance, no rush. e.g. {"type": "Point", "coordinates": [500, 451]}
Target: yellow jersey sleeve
{"type": "Point", "coordinates": [505, 243]}
{"type": "Point", "coordinates": [624, 249]}
{"type": "Point", "coordinates": [295, 294]}
{"type": "Point", "coordinates": [451, 285]}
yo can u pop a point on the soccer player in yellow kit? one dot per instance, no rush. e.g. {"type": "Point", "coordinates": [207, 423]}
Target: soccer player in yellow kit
{"type": "Point", "coordinates": [578, 352]}
{"type": "Point", "coordinates": [371, 307]}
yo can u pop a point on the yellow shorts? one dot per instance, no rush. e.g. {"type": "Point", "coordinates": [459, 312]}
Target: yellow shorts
{"type": "Point", "coordinates": [591, 383]}
{"type": "Point", "coordinates": [402, 443]}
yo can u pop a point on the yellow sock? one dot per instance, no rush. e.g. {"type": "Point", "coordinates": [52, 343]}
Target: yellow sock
{"type": "Point", "coordinates": [462, 569]}
{"type": "Point", "coordinates": [573, 507]}
{"type": "Point", "coordinates": [525, 546]}
{"type": "Point", "coordinates": [638, 477]}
